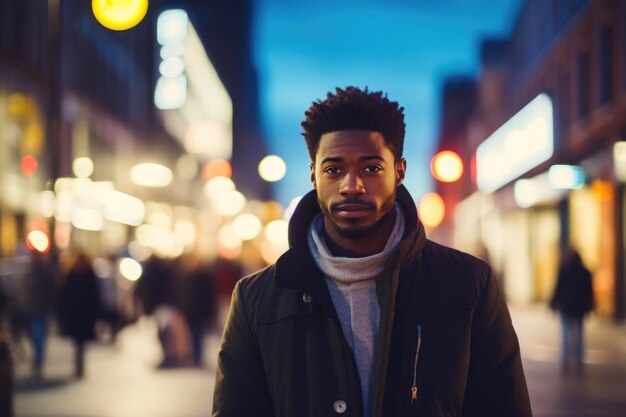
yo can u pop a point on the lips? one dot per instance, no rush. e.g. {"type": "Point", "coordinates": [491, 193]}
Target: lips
{"type": "Point", "coordinates": [352, 211]}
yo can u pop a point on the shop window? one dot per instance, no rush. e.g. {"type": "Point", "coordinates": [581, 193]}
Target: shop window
{"type": "Point", "coordinates": [606, 65]}
{"type": "Point", "coordinates": [582, 85]}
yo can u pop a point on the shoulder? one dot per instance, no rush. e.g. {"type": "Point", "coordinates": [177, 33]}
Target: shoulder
{"type": "Point", "coordinates": [256, 285]}
{"type": "Point", "coordinates": [454, 259]}
{"type": "Point", "coordinates": [453, 269]}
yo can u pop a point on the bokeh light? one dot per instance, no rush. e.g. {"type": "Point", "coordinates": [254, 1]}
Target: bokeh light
{"type": "Point", "coordinates": [446, 166]}
{"type": "Point", "coordinates": [272, 168]}
{"type": "Point", "coordinates": [82, 167]}
{"type": "Point", "coordinates": [48, 203]}
{"type": "Point", "coordinates": [130, 269]}
{"type": "Point", "coordinates": [29, 165]}
{"type": "Point", "coordinates": [247, 226]}
{"type": "Point", "coordinates": [227, 238]}
{"type": "Point", "coordinates": [38, 240]}
{"type": "Point", "coordinates": [120, 14]}
{"type": "Point", "coordinates": [229, 203]}
{"type": "Point", "coordinates": [217, 186]}
{"type": "Point", "coordinates": [151, 175]}
{"type": "Point", "coordinates": [217, 168]}
{"type": "Point", "coordinates": [276, 232]}
{"type": "Point", "coordinates": [431, 210]}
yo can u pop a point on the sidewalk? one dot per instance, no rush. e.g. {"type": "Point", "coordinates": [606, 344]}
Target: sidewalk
{"type": "Point", "coordinates": [600, 392]}
{"type": "Point", "coordinates": [121, 380]}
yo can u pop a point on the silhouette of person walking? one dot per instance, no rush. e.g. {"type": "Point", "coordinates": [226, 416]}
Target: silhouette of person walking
{"type": "Point", "coordinates": [37, 289]}
{"type": "Point", "coordinates": [199, 306]}
{"type": "Point", "coordinates": [573, 299]}
{"type": "Point", "coordinates": [79, 308]}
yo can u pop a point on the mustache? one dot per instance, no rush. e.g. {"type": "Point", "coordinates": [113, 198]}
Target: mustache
{"type": "Point", "coordinates": [367, 204]}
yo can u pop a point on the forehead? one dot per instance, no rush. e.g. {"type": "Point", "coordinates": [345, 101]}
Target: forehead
{"type": "Point", "coordinates": [347, 144]}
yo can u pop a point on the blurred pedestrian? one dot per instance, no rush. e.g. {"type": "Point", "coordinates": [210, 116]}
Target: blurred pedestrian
{"type": "Point", "coordinates": [227, 272]}
{"type": "Point", "coordinates": [105, 269]}
{"type": "Point", "coordinates": [158, 296]}
{"type": "Point", "coordinates": [200, 306]}
{"type": "Point", "coordinates": [573, 299]}
{"type": "Point", "coordinates": [79, 308]}
{"type": "Point", "coordinates": [363, 315]}
{"type": "Point", "coordinates": [37, 292]}
{"type": "Point", "coordinates": [6, 357]}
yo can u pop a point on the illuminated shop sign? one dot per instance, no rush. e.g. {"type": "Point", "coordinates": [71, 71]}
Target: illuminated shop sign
{"type": "Point", "coordinates": [523, 142]}
{"type": "Point", "coordinates": [195, 106]}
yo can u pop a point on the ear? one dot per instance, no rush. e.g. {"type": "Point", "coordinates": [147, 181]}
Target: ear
{"type": "Point", "coordinates": [312, 166]}
{"type": "Point", "coordinates": [400, 171]}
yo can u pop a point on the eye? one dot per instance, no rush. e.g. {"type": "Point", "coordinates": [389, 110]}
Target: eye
{"type": "Point", "coordinates": [332, 170]}
{"type": "Point", "coordinates": [373, 169]}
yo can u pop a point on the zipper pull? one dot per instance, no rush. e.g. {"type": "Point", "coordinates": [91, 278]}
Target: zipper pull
{"type": "Point", "coordinates": [413, 394]}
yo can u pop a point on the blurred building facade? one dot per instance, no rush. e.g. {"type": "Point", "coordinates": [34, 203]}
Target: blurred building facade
{"type": "Point", "coordinates": [567, 59]}
{"type": "Point", "coordinates": [72, 89]}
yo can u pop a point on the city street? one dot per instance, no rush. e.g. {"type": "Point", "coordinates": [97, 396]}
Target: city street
{"type": "Point", "coordinates": [122, 379]}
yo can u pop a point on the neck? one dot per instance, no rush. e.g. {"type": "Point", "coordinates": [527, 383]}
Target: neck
{"type": "Point", "coordinates": [372, 243]}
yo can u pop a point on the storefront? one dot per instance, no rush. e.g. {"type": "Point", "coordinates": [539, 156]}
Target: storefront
{"type": "Point", "coordinates": [23, 165]}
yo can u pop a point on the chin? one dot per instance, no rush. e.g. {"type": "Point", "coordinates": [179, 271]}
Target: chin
{"type": "Point", "coordinates": [354, 232]}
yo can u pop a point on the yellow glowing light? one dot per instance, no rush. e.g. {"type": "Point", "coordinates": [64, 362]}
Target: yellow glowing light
{"type": "Point", "coordinates": [159, 239]}
{"type": "Point", "coordinates": [272, 168]}
{"type": "Point", "coordinates": [87, 218]}
{"type": "Point", "coordinates": [82, 167]}
{"type": "Point", "coordinates": [38, 240]}
{"type": "Point", "coordinates": [270, 252]}
{"type": "Point", "coordinates": [446, 166]}
{"type": "Point", "coordinates": [227, 238]}
{"type": "Point", "coordinates": [276, 232]}
{"type": "Point", "coordinates": [130, 269]}
{"type": "Point", "coordinates": [217, 186]}
{"type": "Point", "coordinates": [431, 210]}
{"type": "Point", "coordinates": [119, 14]}
{"type": "Point", "coordinates": [48, 203]}
{"type": "Point", "coordinates": [185, 231]}
{"type": "Point", "coordinates": [229, 203]}
{"type": "Point", "coordinates": [151, 175]}
{"type": "Point", "coordinates": [247, 226]}
{"type": "Point", "coordinates": [123, 208]}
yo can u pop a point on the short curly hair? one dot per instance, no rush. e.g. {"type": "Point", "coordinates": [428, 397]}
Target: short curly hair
{"type": "Point", "coordinates": [356, 109]}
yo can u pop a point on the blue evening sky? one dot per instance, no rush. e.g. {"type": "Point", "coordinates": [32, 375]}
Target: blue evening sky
{"type": "Point", "coordinates": [305, 48]}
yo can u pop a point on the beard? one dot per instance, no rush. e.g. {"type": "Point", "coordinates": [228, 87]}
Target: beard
{"type": "Point", "coordinates": [353, 231]}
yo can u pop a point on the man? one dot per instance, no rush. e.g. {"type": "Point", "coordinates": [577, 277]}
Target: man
{"type": "Point", "coordinates": [363, 316]}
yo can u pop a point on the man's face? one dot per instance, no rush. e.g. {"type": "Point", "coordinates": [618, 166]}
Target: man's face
{"type": "Point", "coordinates": [356, 177]}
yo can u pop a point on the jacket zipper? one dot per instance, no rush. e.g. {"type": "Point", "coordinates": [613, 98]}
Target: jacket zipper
{"type": "Point", "coordinates": [418, 329]}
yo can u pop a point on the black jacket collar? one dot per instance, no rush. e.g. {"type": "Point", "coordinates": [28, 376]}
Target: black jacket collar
{"type": "Point", "coordinates": [296, 269]}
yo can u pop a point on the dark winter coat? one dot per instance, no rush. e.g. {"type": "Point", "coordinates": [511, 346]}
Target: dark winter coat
{"type": "Point", "coordinates": [573, 295]}
{"type": "Point", "coordinates": [283, 352]}
{"type": "Point", "coordinates": [79, 302]}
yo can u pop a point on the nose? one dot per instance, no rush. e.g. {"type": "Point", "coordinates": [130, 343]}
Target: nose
{"type": "Point", "coordinates": [352, 184]}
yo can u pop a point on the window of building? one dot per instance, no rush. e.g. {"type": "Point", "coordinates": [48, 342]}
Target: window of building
{"type": "Point", "coordinates": [582, 85]}
{"type": "Point", "coordinates": [605, 65]}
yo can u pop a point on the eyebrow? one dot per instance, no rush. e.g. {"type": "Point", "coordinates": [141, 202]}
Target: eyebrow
{"type": "Point", "coordinates": [361, 159]}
